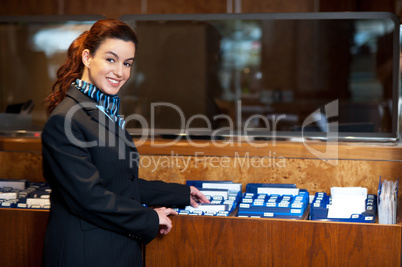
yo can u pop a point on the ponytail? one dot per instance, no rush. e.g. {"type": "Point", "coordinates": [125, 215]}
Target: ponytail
{"type": "Point", "coordinates": [67, 73]}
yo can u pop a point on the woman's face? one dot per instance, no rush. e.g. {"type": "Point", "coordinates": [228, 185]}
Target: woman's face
{"type": "Point", "coordinates": [110, 67]}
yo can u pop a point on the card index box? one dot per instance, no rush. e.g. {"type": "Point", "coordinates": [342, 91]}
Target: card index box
{"type": "Point", "coordinates": [319, 210]}
{"type": "Point", "coordinates": [224, 197]}
{"type": "Point", "coordinates": [264, 205]}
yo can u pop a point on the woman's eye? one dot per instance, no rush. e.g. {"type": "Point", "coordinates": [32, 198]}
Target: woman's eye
{"type": "Point", "coordinates": [127, 64]}
{"type": "Point", "coordinates": [110, 60]}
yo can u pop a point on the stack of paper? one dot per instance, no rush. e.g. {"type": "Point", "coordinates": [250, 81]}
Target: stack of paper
{"type": "Point", "coordinates": [387, 201]}
{"type": "Point", "coordinates": [347, 201]}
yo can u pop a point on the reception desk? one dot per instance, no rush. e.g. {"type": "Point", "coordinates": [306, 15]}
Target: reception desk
{"type": "Point", "coordinates": [217, 241]}
{"type": "Point", "coordinates": [232, 241]}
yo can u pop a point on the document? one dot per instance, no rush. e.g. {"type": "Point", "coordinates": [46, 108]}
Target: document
{"type": "Point", "coordinates": [228, 186]}
{"type": "Point", "coordinates": [387, 201]}
{"type": "Point", "coordinates": [278, 191]}
{"type": "Point", "coordinates": [347, 201]}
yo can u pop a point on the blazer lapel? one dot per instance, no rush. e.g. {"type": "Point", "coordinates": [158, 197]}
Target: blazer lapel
{"type": "Point", "coordinates": [97, 115]}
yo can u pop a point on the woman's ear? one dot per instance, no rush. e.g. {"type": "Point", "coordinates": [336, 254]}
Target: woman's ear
{"type": "Point", "coordinates": [86, 58]}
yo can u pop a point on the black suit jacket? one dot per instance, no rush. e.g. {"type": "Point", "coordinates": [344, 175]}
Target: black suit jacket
{"type": "Point", "coordinates": [97, 216]}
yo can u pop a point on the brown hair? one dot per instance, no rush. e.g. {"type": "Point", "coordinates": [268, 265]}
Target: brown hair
{"type": "Point", "coordinates": [73, 67]}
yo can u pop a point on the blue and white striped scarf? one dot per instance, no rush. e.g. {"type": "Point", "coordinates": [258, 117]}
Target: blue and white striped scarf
{"type": "Point", "coordinates": [109, 104]}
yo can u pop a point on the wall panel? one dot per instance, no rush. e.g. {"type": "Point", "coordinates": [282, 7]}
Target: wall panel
{"type": "Point", "coordinates": [108, 8]}
{"type": "Point", "coordinates": [278, 6]}
{"type": "Point", "coordinates": [29, 7]}
{"type": "Point", "coordinates": [116, 8]}
{"type": "Point", "coordinates": [185, 6]}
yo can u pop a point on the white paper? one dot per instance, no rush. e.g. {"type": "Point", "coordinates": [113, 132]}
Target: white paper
{"type": "Point", "coordinates": [208, 207]}
{"type": "Point", "coordinates": [347, 201]}
{"type": "Point", "coordinates": [229, 186]}
{"type": "Point", "coordinates": [278, 191]}
{"type": "Point", "coordinates": [211, 192]}
{"type": "Point", "coordinates": [8, 196]}
{"type": "Point", "coordinates": [387, 203]}
{"type": "Point", "coordinates": [38, 201]}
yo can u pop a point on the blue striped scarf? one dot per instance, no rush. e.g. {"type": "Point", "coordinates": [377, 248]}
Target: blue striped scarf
{"type": "Point", "coordinates": [110, 103]}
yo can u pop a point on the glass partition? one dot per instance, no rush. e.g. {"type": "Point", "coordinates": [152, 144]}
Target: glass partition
{"type": "Point", "coordinates": [274, 75]}
{"type": "Point", "coordinates": [32, 48]}
{"type": "Point", "coordinates": [267, 75]}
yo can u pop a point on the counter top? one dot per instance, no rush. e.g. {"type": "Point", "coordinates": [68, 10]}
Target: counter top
{"type": "Point", "coordinates": [220, 148]}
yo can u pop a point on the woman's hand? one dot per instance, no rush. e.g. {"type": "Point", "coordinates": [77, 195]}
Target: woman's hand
{"type": "Point", "coordinates": [196, 196]}
{"type": "Point", "coordinates": [165, 224]}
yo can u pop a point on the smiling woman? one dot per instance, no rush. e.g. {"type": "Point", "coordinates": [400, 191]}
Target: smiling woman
{"type": "Point", "coordinates": [101, 211]}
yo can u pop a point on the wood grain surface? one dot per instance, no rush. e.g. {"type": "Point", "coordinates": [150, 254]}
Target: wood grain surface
{"type": "Point", "coordinates": [219, 241]}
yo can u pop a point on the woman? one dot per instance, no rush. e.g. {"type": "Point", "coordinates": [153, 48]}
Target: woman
{"type": "Point", "coordinates": [97, 216]}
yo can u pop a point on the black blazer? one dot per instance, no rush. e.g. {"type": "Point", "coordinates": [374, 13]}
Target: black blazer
{"type": "Point", "coordinates": [97, 216]}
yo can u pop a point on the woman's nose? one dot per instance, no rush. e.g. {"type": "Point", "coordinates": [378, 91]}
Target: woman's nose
{"type": "Point", "coordinates": [118, 70]}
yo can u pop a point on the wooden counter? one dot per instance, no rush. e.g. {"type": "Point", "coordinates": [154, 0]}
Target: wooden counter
{"type": "Point", "coordinates": [216, 241]}
{"type": "Point", "coordinates": [228, 241]}
{"type": "Point", "coordinates": [22, 234]}
{"type": "Point", "coordinates": [287, 149]}
{"type": "Point", "coordinates": [219, 241]}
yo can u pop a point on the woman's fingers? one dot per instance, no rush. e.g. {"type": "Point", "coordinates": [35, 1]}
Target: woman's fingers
{"type": "Point", "coordinates": [165, 224]}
